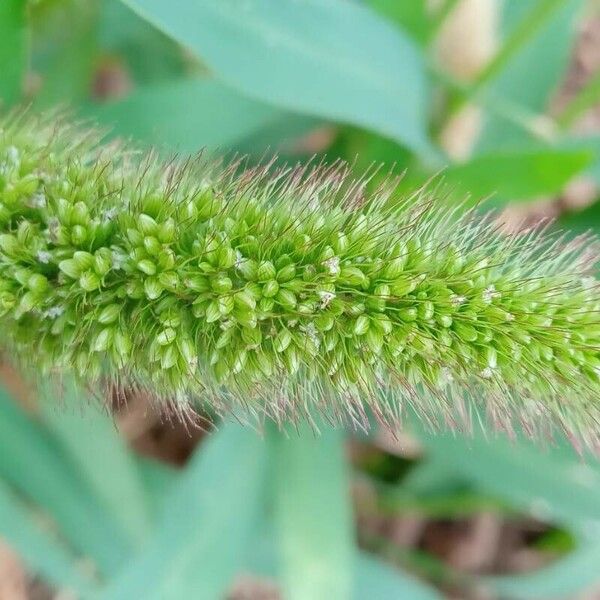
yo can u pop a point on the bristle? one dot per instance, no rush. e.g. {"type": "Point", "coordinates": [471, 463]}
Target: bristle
{"type": "Point", "coordinates": [278, 292]}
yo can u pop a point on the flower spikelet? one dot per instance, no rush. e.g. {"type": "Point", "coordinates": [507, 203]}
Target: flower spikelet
{"type": "Point", "coordinates": [285, 291]}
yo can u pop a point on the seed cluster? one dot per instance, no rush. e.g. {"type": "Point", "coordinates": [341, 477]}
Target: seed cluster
{"type": "Point", "coordinates": [282, 291]}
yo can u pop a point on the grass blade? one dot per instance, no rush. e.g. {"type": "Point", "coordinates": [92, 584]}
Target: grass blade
{"type": "Point", "coordinates": [210, 518]}
{"type": "Point", "coordinates": [313, 514]}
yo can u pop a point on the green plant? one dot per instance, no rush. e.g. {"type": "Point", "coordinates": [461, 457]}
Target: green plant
{"type": "Point", "coordinates": [285, 292]}
{"type": "Point", "coordinates": [357, 80]}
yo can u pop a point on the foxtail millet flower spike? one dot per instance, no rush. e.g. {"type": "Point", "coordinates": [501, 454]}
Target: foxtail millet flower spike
{"type": "Point", "coordinates": [282, 292]}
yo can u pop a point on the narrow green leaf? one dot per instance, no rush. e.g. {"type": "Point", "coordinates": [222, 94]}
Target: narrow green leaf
{"type": "Point", "coordinates": [13, 49]}
{"type": "Point", "coordinates": [327, 58]}
{"type": "Point", "coordinates": [187, 115]}
{"type": "Point", "coordinates": [148, 56]}
{"type": "Point", "coordinates": [517, 174]}
{"type": "Point", "coordinates": [377, 581]}
{"type": "Point", "coordinates": [210, 517]}
{"type": "Point", "coordinates": [536, 66]}
{"type": "Point", "coordinates": [520, 36]}
{"type": "Point", "coordinates": [44, 555]}
{"type": "Point", "coordinates": [585, 99]}
{"type": "Point", "coordinates": [157, 478]}
{"type": "Point", "coordinates": [551, 484]}
{"type": "Point", "coordinates": [582, 221]}
{"type": "Point", "coordinates": [372, 579]}
{"type": "Point", "coordinates": [90, 438]}
{"type": "Point", "coordinates": [313, 514]}
{"type": "Point", "coordinates": [412, 16]}
{"type": "Point", "coordinates": [31, 463]}
{"type": "Point", "coordinates": [565, 578]}
{"type": "Point", "coordinates": [65, 50]}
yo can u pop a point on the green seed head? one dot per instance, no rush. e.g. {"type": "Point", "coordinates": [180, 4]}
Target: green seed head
{"type": "Point", "coordinates": [284, 292]}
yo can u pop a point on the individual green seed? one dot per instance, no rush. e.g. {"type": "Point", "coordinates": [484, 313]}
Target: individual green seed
{"type": "Point", "coordinates": [167, 336]}
{"type": "Point", "coordinates": [286, 274]}
{"type": "Point", "coordinates": [270, 288]}
{"type": "Point", "coordinates": [153, 288]}
{"type": "Point", "coordinates": [89, 281]}
{"type": "Point", "coordinates": [265, 271]}
{"type": "Point", "coordinates": [147, 224]}
{"type": "Point", "coordinates": [282, 340]}
{"type": "Point", "coordinates": [226, 257]}
{"type": "Point", "coordinates": [286, 299]}
{"type": "Point", "coordinates": [152, 245]}
{"type": "Point", "coordinates": [147, 266]}
{"type": "Point", "coordinates": [361, 325]}
{"type": "Point", "coordinates": [166, 231]}
{"type": "Point", "coordinates": [103, 340]}
{"type": "Point", "coordinates": [79, 234]}
{"type": "Point", "coordinates": [408, 314]}
{"type": "Point", "coordinates": [221, 284]}
{"type": "Point", "coordinates": [109, 314]}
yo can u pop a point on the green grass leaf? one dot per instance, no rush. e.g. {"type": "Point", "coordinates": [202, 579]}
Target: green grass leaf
{"type": "Point", "coordinates": [43, 554]}
{"type": "Point", "coordinates": [313, 514]}
{"type": "Point", "coordinates": [331, 59]}
{"type": "Point", "coordinates": [187, 115]}
{"type": "Point", "coordinates": [13, 49]}
{"type": "Point", "coordinates": [209, 519]}
{"type": "Point", "coordinates": [517, 174]}
{"type": "Point", "coordinates": [563, 579]}
{"type": "Point", "coordinates": [412, 16]}
{"type": "Point", "coordinates": [31, 463]}
{"type": "Point", "coordinates": [91, 439]}
{"type": "Point", "coordinates": [377, 581]}
{"type": "Point", "coordinates": [147, 55]}
{"type": "Point", "coordinates": [65, 51]}
{"type": "Point", "coordinates": [532, 72]}
{"type": "Point", "coordinates": [551, 484]}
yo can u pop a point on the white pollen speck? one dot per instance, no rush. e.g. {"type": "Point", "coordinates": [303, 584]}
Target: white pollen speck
{"type": "Point", "coordinates": [109, 214]}
{"type": "Point", "coordinates": [239, 259]}
{"type": "Point", "coordinates": [326, 298]}
{"type": "Point", "coordinates": [44, 256]}
{"type": "Point", "coordinates": [487, 373]}
{"type": "Point", "coordinates": [333, 265]}
{"type": "Point", "coordinates": [457, 300]}
{"type": "Point", "coordinates": [54, 312]}
{"type": "Point", "coordinates": [13, 154]}
{"type": "Point", "coordinates": [38, 200]}
{"type": "Point", "coordinates": [490, 293]}
{"type": "Point", "coordinates": [312, 333]}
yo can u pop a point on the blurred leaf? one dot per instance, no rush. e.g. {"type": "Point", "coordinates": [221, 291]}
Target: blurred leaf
{"type": "Point", "coordinates": [33, 465]}
{"type": "Point", "coordinates": [328, 58]}
{"type": "Point", "coordinates": [149, 55]}
{"type": "Point", "coordinates": [13, 49]}
{"type": "Point", "coordinates": [210, 517]}
{"type": "Point", "coordinates": [532, 73]}
{"type": "Point", "coordinates": [585, 99]}
{"type": "Point", "coordinates": [582, 221]}
{"type": "Point", "coordinates": [411, 16]}
{"type": "Point", "coordinates": [91, 439]}
{"type": "Point", "coordinates": [157, 478]}
{"type": "Point", "coordinates": [65, 51]}
{"type": "Point", "coordinates": [562, 579]}
{"type": "Point", "coordinates": [372, 579]}
{"type": "Point", "coordinates": [551, 484]}
{"type": "Point", "coordinates": [43, 555]}
{"type": "Point", "coordinates": [517, 174]}
{"type": "Point", "coordinates": [377, 581]}
{"type": "Point", "coordinates": [313, 514]}
{"type": "Point", "coordinates": [590, 144]}
{"type": "Point", "coordinates": [187, 115]}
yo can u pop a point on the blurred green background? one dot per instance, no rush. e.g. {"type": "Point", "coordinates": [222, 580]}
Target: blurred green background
{"type": "Point", "coordinates": [500, 99]}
